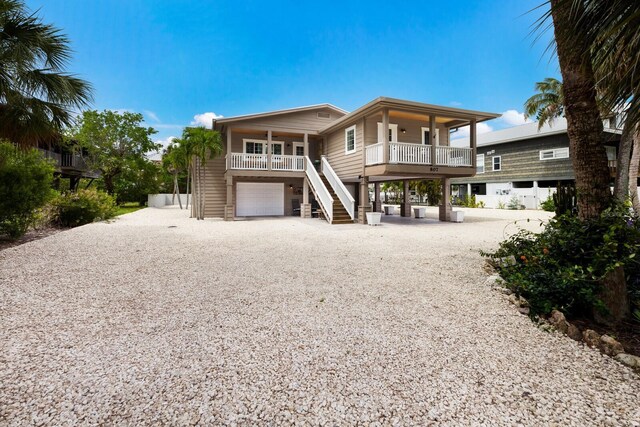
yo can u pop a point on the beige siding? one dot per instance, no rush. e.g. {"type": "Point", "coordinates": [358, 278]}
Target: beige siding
{"type": "Point", "coordinates": [413, 128]}
{"type": "Point", "coordinates": [215, 188]}
{"type": "Point", "coordinates": [302, 121]}
{"type": "Point", "coordinates": [347, 166]}
{"type": "Point", "coordinates": [237, 143]}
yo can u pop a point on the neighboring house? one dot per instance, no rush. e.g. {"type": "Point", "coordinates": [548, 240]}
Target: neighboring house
{"type": "Point", "coordinates": [279, 160]}
{"type": "Point", "coordinates": [69, 163]}
{"type": "Point", "coordinates": [526, 163]}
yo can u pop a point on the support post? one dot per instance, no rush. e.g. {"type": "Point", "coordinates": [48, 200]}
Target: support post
{"type": "Point", "coordinates": [405, 208]}
{"type": "Point", "coordinates": [229, 208]}
{"type": "Point", "coordinates": [432, 138]}
{"type": "Point", "coordinates": [445, 204]}
{"type": "Point", "coordinates": [269, 149]}
{"type": "Point", "coordinates": [228, 148]}
{"type": "Point", "coordinates": [473, 143]}
{"type": "Point", "coordinates": [305, 208]}
{"type": "Point", "coordinates": [364, 205]}
{"type": "Point", "coordinates": [377, 205]}
{"type": "Point", "coordinates": [469, 190]}
{"type": "Point", "coordinates": [306, 144]}
{"type": "Point", "coordinates": [385, 135]}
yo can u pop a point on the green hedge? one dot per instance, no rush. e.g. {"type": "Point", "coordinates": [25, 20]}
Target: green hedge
{"type": "Point", "coordinates": [83, 207]}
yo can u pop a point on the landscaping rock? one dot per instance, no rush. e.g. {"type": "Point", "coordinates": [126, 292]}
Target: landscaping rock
{"type": "Point", "coordinates": [591, 337]}
{"type": "Point", "coordinates": [573, 332]}
{"type": "Point", "coordinates": [558, 320]}
{"type": "Point", "coordinates": [524, 310]}
{"type": "Point", "coordinates": [628, 359]}
{"type": "Point", "coordinates": [610, 346]}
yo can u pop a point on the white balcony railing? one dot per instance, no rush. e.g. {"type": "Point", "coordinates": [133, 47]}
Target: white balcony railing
{"type": "Point", "coordinates": [279, 162]}
{"type": "Point", "coordinates": [415, 154]}
{"type": "Point", "coordinates": [453, 156]}
{"type": "Point", "coordinates": [287, 163]}
{"type": "Point", "coordinates": [374, 153]}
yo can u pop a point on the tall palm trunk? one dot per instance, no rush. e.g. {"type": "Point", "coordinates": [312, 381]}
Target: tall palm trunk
{"type": "Point", "coordinates": [634, 164]}
{"type": "Point", "coordinates": [188, 176]}
{"type": "Point", "coordinates": [620, 190]}
{"type": "Point", "coordinates": [176, 189]}
{"type": "Point", "coordinates": [584, 124]}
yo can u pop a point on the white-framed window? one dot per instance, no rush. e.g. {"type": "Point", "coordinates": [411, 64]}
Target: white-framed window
{"type": "Point", "coordinates": [393, 132]}
{"type": "Point", "coordinates": [350, 140]}
{"type": "Point", "coordinates": [497, 163]}
{"type": "Point", "coordinates": [480, 163]}
{"type": "Point", "coordinates": [298, 148]}
{"type": "Point", "coordinates": [426, 136]}
{"type": "Point", "coordinates": [554, 153]}
{"type": "Point", "coordinates": [276, 148]}
{"type": "Point", "coordinates": [252, 146]}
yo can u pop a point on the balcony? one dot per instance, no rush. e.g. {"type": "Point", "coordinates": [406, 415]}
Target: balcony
{"type": "Point", "coordinates": [418, 154]}
{"type": "Point", "coordinates": [266, 162]}
{"type": "Point", "coordinates": [74, 164]}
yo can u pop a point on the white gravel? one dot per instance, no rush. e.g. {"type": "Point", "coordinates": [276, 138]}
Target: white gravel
{"type": "Point", "coordinates": [285, 321]}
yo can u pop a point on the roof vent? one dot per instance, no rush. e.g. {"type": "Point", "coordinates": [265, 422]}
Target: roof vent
{"type": "Point", "coordinates": [323, 115]}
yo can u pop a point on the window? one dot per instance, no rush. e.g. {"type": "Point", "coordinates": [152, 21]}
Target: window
{"type": "Point", "coordinates": [350, 140]}
{"type": "Point", "coordinates": [497, 163]}
{"type": "Point", "coordinates": [298, 148]}
{"type": "Point", "coordinates": [480, 163]}
{"type": "Point", "coordinates": [393, 132]}
{"type": "Point", "coordinates": [276, 148]}
{"type": "Point", "coordinates": [555, 153]}
{"type": "Point", "coordinates": [426, 136]}
{"type": "Point", "coordinates": [253, 147]}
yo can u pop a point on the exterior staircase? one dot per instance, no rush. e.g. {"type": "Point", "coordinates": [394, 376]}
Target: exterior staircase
{"type": "Point", "coordinates": [340, 214]}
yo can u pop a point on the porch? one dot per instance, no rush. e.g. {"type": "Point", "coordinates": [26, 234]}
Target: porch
{"type": "Point", "coordinates": [419, 154]}
{"type": "Point", "coordinates": [266, 162]}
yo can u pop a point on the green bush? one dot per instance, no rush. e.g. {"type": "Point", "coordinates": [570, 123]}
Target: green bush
{"type": "Point", "coordinates": [548, 205]}
{"type": "Point", "coordinates": [514, 203]}
{"type": "Point", "coordinates": [25, 188]}
{"type": "Point", "coordinates": [562, 267]}
{"type": "Point", "coordinates": [83, 207]}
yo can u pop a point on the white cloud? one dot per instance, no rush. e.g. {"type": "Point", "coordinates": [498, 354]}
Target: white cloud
{"type": "Point", "coordinates": [205, 119]}
{"type": "Point", "coordinates": [514, 118]}
{"type": "Point", "coordinates": [153, 116]}
{"type": "Point", "coordinates": [455, 103]}
{"type": "Point", "coordinates": [463, 132]}
{"type": "Point", "coordinates": [165, 142]}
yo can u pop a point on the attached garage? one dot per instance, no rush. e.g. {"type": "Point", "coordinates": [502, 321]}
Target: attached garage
{"type": "Point", "coordinates": [259, 199]}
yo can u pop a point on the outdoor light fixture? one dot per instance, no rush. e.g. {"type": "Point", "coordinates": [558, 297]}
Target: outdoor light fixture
{"type": "Point", "coordinates": [403, 130]}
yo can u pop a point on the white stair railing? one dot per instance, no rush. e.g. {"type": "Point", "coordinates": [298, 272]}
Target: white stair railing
{"type": "Point", "coordinates": [322, 193]}
{"type": "Point", "coordinates": [453, 156]}
{"type": "Point", "coordinates": [338, 187]}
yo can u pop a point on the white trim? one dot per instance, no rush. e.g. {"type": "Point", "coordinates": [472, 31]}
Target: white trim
{"type": "Point", "coordinates": [295, 144]}
{"type": "Point", "coordinates": [493, 163]}
{"type": "Point", "coordinates": [556, 153]}
{"type": "Point", "coordinates": [281, 144]}
{"type": "Point", "coordinates": [426, 128]}
{"type": "Point", "coordinates": [355, 145]}
{"type": "Point", "coordinates": [394, 132]}
{"type": "Point", "coordinates": [480, 162]}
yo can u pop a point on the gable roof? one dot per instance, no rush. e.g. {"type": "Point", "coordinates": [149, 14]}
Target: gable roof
{"type": "Point", "coordinates": [278, 112]}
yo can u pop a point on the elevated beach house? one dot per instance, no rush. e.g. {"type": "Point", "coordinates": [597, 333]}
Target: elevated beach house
{"type": "Point", "coordinates": [322, 157]}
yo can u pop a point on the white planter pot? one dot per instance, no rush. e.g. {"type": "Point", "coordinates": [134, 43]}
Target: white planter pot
{"type": "Point", "coordinates": [457, 216]}
{"type": "Point", "coordinates": [373, 218]}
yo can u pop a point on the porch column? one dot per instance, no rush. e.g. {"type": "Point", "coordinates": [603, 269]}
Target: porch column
{"type": "Point", "coordinates": [229, 208]}
{"type": "Point", "coordinates": [469, 190]}
{"type": "Point", "coordinates": [363, 205]}
{"type": "Point", "coordinates": [305, 208]}
{"type": "Point", "coordinates": [269, 150]}
{"type": "Point", "coordinates": [536, 193]}
{"type": "Point", "coordinates": [385, 135]}
{"type": "Point", "coordinates": [377, 205]}
{"type": "Point", "coordinates": [405, 207]}
{"type": "Point", "coordinates": [445, 204]}
{"type": "Point", "coordinates": [473, 143]}
{"type": "Point", "coordinates": [432, 138]}
{"type": "Point", "coordinates": [228, 148]}
{"type": "Point", "coordinates": [306, 144]}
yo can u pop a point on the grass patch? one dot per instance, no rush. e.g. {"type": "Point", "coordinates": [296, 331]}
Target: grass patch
{"type": "Point", "coordinates": [126, 208]}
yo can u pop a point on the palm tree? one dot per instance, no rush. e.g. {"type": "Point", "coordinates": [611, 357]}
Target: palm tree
{"type": "Point", "coordinates": [37, 97]}
{"type": "Point", "coordinates": [205, 145]}
{"type": "Point", "coordinates": [174, 161]}
{"type": "Point", "coordinates": [546, 105]}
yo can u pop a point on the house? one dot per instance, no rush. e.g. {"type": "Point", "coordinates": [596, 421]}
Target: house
{"type": "Point", "coordinates": [69, 162]}
{"type": "Point", "coordinates": [278, 160]}
{"type": "Point", "coordinates": [526, 163]}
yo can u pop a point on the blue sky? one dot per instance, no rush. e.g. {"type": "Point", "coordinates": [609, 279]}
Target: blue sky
{"type": "Point", "coordinates": [175, 60]}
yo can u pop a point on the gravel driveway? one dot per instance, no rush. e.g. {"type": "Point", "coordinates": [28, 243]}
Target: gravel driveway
{"type": "Point", "coordinates": [160, 319]}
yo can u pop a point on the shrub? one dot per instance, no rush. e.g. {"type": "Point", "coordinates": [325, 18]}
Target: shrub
{"type": "Point", "coordinates": [514, 203]}
{"type": "Point", "coordinates": [25, 187]}
{"type": "Point", "coordinates": [83, 207]}
{"type": "Point", "coordinates": [548, 205]}
{"type": "Point", "coordinates": [562, 267]}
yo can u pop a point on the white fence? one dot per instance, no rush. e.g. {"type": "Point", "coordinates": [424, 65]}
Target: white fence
{"type": "Point", "coordinates": [164, 199]}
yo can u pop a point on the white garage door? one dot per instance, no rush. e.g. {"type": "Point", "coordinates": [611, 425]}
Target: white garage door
{"type": "Point", "coordinates": [259, 199]}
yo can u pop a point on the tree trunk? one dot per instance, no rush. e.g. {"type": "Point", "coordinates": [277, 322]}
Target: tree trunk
{"type": "Point", "coordinates": [634, 164]}
{"type": "Point", "coordinates": [108, 184]}
{"type": "Point", "coordinates": [584, 124]}
{"type": "Point", "coordinates": [615, 297]}
{"type": "Point", "coordinates": [176, 189]}
{"type": "Point", "coordinates": [188, 176]}
{"type": "Point", "coordinates": [620, 191]}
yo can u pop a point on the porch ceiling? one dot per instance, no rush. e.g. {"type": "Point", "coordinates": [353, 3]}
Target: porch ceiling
{"type": "Point", "coordinates": [275, 133]}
